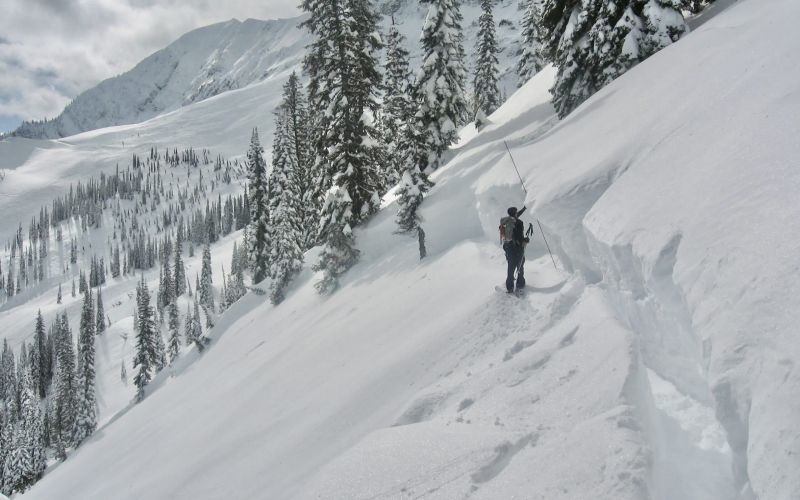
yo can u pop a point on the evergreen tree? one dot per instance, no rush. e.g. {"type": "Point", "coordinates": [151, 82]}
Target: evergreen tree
{"type": "Point", "coordinates": [440, 87]}
{"type": "Point", "coordinates": [5, 441]}
{"type": "Point", "coordinates": [487, 93]}
{"type": "Point", "coordinates": [8, 382]}
{"type": "Point", "coordinates": [66, 383]}
{"type": "Point", "coordinates": [593, 42]}
{"type": "Point", "coordinates": [258, 246]}
{"type": "Point", "coordinates": [197, 328]}
{"type": "Point", "coordinates": [398, 109]}
{"type": "Point", "coordinates": [86, 416]}
{"type": "Point", "coordinates": [146, 357]}
{"type": "Point", "coordinates": [180, 271]}
{"type": "Point", "coordinates": [412, 188]}
{"type": "Point", "coordinates": [174, 344]}
{"type": "Point", "coordinates": [530, 58]}
{"type": "Point", "coordinates": [236, 287]}
{"type": "Point", "coordinates": [344, 80]}
{"type": "Point", "coordinates": [100, 323]}
{"type": "Point", "coordinates": [206, 291]}
{"type": "Point", "coordinates": [286, 208]}
{"type": "Point", "coordinates": [188, 328]}
{"type": "Point", "coordinates": [32, 431]}
{"type": "Point", "coordinates": [44, 365]}
{"type": "Point", "coordinates": [115, 264]}
{"type": "Point", "coordinates": [25, 459]}
{"type": "Point", "coordinates": [299, 154]}
{"type": "Point", "coordinates": [10, 282]}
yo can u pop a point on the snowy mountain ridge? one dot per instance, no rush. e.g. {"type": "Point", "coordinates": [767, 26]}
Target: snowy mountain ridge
{"type": "Point", "coordinates": [200, 64]}
{"type": "Point", "coordinates": [231, 55]}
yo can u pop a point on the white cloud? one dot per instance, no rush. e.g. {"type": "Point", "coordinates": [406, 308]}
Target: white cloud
{"type": "Point", "coordinates": [51, 50]}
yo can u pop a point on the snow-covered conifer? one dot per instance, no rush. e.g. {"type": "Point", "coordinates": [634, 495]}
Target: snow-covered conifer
{"type": "Point", "coordinates": [197, 328]}
{"type": "Point", "coordinates": [66, 383]}
{"type": "Point", "coordinates": [487, 93]}
{"type": "Point", "coordinates": [258, 246]}
{"type": "Point", "coordinates": [299, 154]}
{"type": "Point", "coordinates": [594, 42]}
{"type": "Point", "coordinates": [440, 86]}
{"type": "Point", "coordinates": [206, 290]}
{"type": "Point", "coordinates": [344, 79]}
{"type": "Point", "coordinates": [174, 343]}
{"type": "Point", "coordinates": [179, 279]}
{"type": "Point", "coordinates": [100, 321]}
{"type": "Point", "coordinates": [146, 357]}
{"type": "Point", "coordinates": [530, 58]}
{"type": "Point", "coordinates": [286, 207]}
{"type": "Point", "coordinates": [86, 401]}
{"type": "Point", "coordinates": [398, 108]}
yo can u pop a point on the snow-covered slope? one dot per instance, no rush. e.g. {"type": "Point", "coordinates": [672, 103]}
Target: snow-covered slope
{"type": "Point", "coordinates": [658, 362]}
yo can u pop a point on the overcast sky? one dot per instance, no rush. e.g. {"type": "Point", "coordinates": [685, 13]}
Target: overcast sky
{"type": "Point", "coordinates": [51, 50]}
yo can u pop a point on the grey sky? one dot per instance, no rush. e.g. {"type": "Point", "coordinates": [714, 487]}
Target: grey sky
{"type": "Point", "coordinates": [51, 50]}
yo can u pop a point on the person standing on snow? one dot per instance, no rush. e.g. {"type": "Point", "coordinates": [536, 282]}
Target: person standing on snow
{"type": "Point", "coordinates": [512, 234]}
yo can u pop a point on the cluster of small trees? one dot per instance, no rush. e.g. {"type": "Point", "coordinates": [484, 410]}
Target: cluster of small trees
{"type": "Point", "coordinates": [47, 395]}
{"type": "Point", "coordinates": [332, 166]}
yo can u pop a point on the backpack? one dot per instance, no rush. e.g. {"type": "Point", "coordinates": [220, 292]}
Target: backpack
{"type": "Point", "coordinates": [507, 225]}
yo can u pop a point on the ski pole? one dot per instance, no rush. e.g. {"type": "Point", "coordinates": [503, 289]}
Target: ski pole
{"type": "Point", "coordinates": [522, 183]}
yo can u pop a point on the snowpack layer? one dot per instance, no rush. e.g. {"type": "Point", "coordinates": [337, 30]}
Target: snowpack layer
{"type": "Point", "coordinates": [657, 362]}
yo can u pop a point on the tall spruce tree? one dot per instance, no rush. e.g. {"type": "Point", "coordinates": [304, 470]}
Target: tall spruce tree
{"type": "Point", "coordinates": [178, 268]}
{"type": "Point", "coordinates": [530, 58]}
{"type": "Point", "coordinates": [41, 381]}
{"type": "Point", "coordinates": [100, 322]}
{"type": "Point", "coordinates": [206, 291]}
{"type": "Point", "coordinates": [344, 79]}
{"type": "Point", "coordinates": [593, 42]}
{"type": "Point", "coordinates": [286, 204]}
{"type": "Point", "coordinates": [197, 329]}
{"type": "Point", "coordinates": [146, 357]}
{"type": "Point", "coordinates": [257, 229]}
{"type": "Point", "coordinates": [174, 342]}
{"type": "Point", "coordinates": [188, 327]}
{"type": "Point", "coordinates": [440, 88]}
{"type": "Point", "coordinates": [66, 383]}
{"type": "Point", "coordinates": [487, 93]}
{"type": "Point", "coordinates": [299, 153]}
{"type": "Point", "coordinates": [86, 401]}
{"type": "Point", "coordinates": [25, 460]}
{"type": "Point", "coordinates": [413, 185]}
{"type": "Point", "coordinates": [398, 108]}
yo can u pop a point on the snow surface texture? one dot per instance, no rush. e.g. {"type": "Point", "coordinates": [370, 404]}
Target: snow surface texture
{"type": "Point", "coordinates": [658, 363]}
{"type": "Point", "coordinates": [232, 55]}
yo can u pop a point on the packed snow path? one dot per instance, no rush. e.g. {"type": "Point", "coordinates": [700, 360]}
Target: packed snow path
{"type": "Point", "coordinates": [670, 200]}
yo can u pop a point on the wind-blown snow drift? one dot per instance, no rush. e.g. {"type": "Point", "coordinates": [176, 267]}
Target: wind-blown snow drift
{"type": "Point", "coordinates": [662, 365]}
